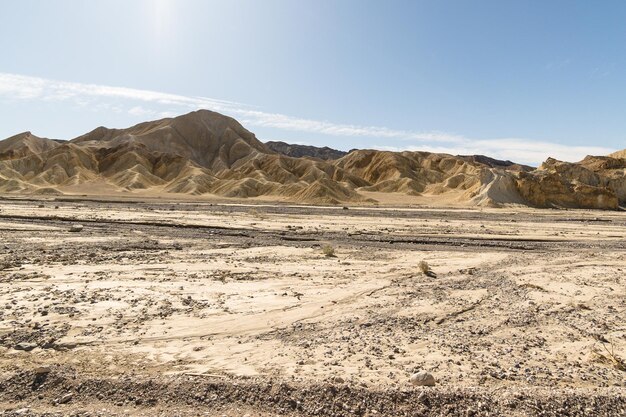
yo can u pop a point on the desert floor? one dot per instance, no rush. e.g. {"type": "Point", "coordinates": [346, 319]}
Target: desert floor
{"type": "Point", "coordinates": [199, 308]}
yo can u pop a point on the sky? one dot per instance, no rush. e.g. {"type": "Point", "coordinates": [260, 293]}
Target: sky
{"type": "Point", "coordinates": [512, 79]}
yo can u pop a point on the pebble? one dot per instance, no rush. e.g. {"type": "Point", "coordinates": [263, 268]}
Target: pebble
{"type": "Point", "coordinates": [76, 228]}
{"type": "Point", "coordinates": [25, 346]}
{"type": "Point", "coordinates": [423, 379]}
{"type": "Point", "coordinates": [66, 398]}
{"type": "Point", "coordinates": [42, 370]}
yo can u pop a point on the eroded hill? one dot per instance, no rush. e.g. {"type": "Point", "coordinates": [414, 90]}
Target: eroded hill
{"type": "Point", "coordinates": [204, 152]}
{"type": "Point", "coordinates": [299, 151]}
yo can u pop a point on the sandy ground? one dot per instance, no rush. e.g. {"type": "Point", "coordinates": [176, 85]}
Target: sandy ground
{"type": "Point", "coordinates": [189, 307]}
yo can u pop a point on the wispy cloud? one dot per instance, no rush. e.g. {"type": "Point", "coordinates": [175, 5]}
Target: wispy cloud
{"type": "Point", "coordinates": [146, 103]}
{"type": "Point", "coordinates": [513, 149]}
{"type": "Point", "coordinates": [29, 88]}
{"type": "Point", "coordinates": [25, 87]}
{"type": "Point", "coordinates": [141, 112]}
{"type": "Point", "coordinates": [281, 121]}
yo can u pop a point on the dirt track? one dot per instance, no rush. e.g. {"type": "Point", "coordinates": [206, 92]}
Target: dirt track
{"type": "Point", "coordinates": [188, 307]}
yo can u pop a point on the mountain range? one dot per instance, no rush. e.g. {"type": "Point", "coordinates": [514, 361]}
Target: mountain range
{"type": "Point", "coordinates": [206, 153]}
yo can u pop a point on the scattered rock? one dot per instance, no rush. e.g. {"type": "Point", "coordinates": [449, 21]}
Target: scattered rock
{"type": "Point", "coordinates": [66, 398]}
{"type": "Point", "coordinates": [42, 370]}
{"type": "Point", "coordinates": [423, 379]}
{"type": "Point", "coordinates": [25, 346]}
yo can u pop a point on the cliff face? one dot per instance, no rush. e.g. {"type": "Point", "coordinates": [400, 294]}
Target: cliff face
{"type": "Point", "coordinates": [207, 153]}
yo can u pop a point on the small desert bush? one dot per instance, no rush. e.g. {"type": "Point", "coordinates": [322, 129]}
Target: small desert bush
{"type": "Point", "coordinates": [532, 286]}
{"type": "Point", "coordinates": [256, 213]}
{"type": "Point", "coordinates": [425, 268]}
{"type": "Point", "coordinates": [328, 250]}
{"type": "Point", "coordinates": [608, 356]}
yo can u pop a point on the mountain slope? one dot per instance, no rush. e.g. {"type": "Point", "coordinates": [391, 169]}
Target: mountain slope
{"type": "Point", "coordinates": [619, 154]}
{"type": "Point", "coordinates": [24, 144]}
{"type": "Point", "coordinates": [299, 151]}
{"type": "Point", "coordinates": [205, 152]}
{"type": "Point", "coordinates": [207, 138]}
{"type": "Point", "coordinates": [496, 163]}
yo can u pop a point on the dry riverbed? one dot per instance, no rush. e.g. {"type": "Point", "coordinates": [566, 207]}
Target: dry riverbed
{"type": "Point", "coordinates": [192, 307]}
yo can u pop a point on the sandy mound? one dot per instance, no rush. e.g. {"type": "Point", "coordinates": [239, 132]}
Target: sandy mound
{"type": "Point", "coordinates": [47, 191]}
{"type": "Point", "coordinates": [326, 191]}
{"type": "Point", "coordinates": [14, 186]}
{"type": "Point", "coordinates": [497, 188]}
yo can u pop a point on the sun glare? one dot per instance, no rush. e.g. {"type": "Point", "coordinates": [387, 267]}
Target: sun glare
{"type": "Point", "coordinates": [162, 11]}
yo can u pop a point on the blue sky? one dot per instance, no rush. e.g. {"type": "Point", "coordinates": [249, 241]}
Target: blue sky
{"type": "Point", "coordinates": [519, 80]}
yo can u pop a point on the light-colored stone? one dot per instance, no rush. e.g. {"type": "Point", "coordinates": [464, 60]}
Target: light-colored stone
{"type": "Point", "coordinates": [42, 370]}
{"type": "Point", "coordinates": [423, 379]}
{"type": "Point", "coordinates": [76, 228]}
{"type": "Point", "coordinates": [66, 398]}
{"type": "Point", "coordinates": [25, 346]}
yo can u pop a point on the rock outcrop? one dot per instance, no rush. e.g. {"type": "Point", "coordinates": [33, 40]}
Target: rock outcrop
{"type": "Point", "coordinates": [301, 151]}
{"type": "Point", "coordinates": [595, 182]}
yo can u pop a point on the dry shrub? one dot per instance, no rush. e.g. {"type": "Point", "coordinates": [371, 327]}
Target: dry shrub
{"type": "Point", "coordinates": [608, 356]}
{"type": "Point", "coordinates": [328, 250]}
{"type": "Point", "coordinates": [256, 213]}
{"type": "Point", "coordinates": [425, 268]}
{"type": "Point", "coordinates": [533, 287]}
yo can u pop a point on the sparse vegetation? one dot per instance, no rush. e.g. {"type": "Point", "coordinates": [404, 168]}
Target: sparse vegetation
{"type": "Point", "coordinates": [328, 251]}
{"type": "Point", "coordinates": [425, 268]}
{"type": "Point", "coordinates": [282, 278]}
{"type": "Point", "coordinates": [533, 287]}
{"type": "Point", "coordinates": [608, 356]}
{"type": "Point", "coordinates": [221, 277]}
{"type": "Point", "coordinates": [256, 213]}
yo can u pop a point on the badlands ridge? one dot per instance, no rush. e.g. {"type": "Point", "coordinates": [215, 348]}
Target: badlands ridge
{"type": "Point", "coordinates": [204, 152]}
